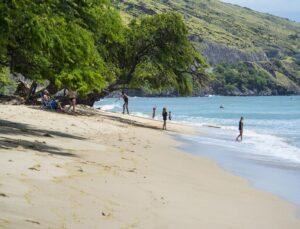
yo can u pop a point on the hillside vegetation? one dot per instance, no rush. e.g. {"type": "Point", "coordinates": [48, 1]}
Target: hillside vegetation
{"type": "Point", "coordinates": [237, 40]}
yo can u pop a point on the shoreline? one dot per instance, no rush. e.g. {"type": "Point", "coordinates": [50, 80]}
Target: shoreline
{"type": "Point", "coordinates": [105, 170]}
{"type": "Point", "coordinates": [275, 177]}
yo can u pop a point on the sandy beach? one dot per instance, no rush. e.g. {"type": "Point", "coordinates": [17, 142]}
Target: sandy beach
{"type": "Point", "coordinates": [103, 170]}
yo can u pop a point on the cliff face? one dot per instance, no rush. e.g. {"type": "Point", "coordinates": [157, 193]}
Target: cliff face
{"type": "Point", "coordinates": [230, 35]}
{"type": "Point", "coordinates": [219, 53]}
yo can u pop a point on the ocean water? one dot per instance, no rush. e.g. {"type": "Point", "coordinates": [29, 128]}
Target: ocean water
{"type": "Point", "coordinates": [268, 156]}
{"type": "Point", "coordinates": [272, 124]}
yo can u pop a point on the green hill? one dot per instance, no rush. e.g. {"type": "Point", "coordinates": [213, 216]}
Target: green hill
{"type": "Point", "coordinates": [250, 52]}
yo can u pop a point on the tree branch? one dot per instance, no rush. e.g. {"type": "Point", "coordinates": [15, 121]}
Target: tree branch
{"type": "Point", "coordinates": [4, 63]}
{"type": "Point", "coordinates": [137, 60]}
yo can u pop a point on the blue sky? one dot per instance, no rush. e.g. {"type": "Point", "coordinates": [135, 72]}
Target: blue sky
{"type": "Point", "coordinates": [283, 8]}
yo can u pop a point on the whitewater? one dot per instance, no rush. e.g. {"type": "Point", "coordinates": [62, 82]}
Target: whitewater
{"type": "Point", "coordinates": [272, 124]}
{"type": "Point", "coordinates": [269, 155]}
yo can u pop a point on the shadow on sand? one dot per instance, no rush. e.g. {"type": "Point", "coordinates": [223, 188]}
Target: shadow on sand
{"type": "Point", "coordinates": [131, 122]}
{"type": "Point", "coordinates": [19, 129]}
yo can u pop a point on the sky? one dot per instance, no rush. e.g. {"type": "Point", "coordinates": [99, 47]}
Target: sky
{"type": "Point", "coordinates": [283, 8]}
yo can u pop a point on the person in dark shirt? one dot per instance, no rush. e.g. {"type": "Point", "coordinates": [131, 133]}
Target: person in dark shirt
{"type": "Point", "coordinates": [33, 88]}
{"type": "Point", "coordinates": [170, 115]}
{"type": "Point", "coordinates": [165, 116]}
{"type": "Point", "coordinates": [126, 100]}
{"type": "Point", "coordinates": [241, 129]}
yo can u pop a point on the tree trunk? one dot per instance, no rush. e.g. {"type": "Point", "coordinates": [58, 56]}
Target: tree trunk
{"type": "Point", "coordinates": [96, 96]}
{"type": "Point", "coordinates": [93, 96]}
{"type": "Point", "coordinates": [22, 89]}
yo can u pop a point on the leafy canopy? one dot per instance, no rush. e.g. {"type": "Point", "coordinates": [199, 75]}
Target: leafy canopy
{"type": "Point", "coordinates": [155, 53]}
{"type": "Point", "coordinates": [53, 41]}
{"type": "Point", "coordinates": [83, 44]}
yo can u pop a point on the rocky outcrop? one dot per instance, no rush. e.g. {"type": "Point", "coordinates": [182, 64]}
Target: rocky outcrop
{"type": "Point", "coordinates": [141, 7]}
{"type": "Point", "coordinates": [220, 53]}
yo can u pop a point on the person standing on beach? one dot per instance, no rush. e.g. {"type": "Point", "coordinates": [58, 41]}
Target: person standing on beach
{"type": "Point", "coordinates": [170, 115]}
{"type": "Point", "coordinates": [165, 116]}
{"type": "Point", "coordinates": [126, 100]}
{"type": "Point", "coordinates": [72, 99]}
{"type": "Point", "coordinates": [153, 113]}
{"type": "Point", "coordinates": [33, 88]}
{"type": "Point", "coordinates": [241, 129]}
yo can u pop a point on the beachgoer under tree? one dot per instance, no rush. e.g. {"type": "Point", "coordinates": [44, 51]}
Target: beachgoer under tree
{"type": "Point", "coordinates": [45, 96]}
{"type": "Point", "coordinates": [126, 100]}
{"type": "Point", "coordinates": [241, 129]}
{"type": "Point", "coordinates": [72, 99]}
{"type": "Point", "coordinates": [33, 88]}
{"type": "Point", "coordinates": [49, 102]}
{"type": "Point", "coordinates": [165, 116]}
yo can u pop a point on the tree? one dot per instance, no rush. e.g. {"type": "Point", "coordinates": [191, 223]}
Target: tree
{"type": "Point", "coordinates": [6, 84]}
{"type": "Point", "coordinates": [83, 45]}
{"type": "Point", "coordinates": [51, 41]}
{"type": "Point", "coordinates": [156, 53]}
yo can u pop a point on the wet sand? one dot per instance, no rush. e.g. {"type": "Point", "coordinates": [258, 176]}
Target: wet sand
{"type": "Point", "coordinates": [271, 174]}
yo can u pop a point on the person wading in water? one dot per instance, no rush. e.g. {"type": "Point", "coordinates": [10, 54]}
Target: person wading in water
{"type": "Point", "coordinates": [241, 129]}
{"type": "Point", "coordinates": [153, 113]}
{"type": "Point", "coordinates": [126, 100]}
{"type": "Point", "coordinates": [165, 116]}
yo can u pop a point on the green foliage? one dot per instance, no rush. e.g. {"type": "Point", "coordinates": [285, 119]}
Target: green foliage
{"type": "Point", "coordinates": [232, 26]}
{"type": "Point", "coordinates": [242, 77]}
{"type": "Point", "coordinates": [159, 55]}
{"type": "Point", "coordinates": [6, 84]}
{"type": "Point", "coordinates": [297, 60]}
{"type": "Point", "coordinates": [84, 45]}
{"type": "Point", "coordinates": [54, 41]}
{"type": "Point", "coordinates": [225, 23]}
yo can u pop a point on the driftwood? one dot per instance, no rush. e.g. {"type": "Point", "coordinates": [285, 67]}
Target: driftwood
{"type": "Point", "coordinates": [19, 95]}
{"type": "Point", "coordinates": [89, 100]}
{"type": "Point", "coordinates": [23, 95]}
{"type": "Point", "coordinates": [22, 89]}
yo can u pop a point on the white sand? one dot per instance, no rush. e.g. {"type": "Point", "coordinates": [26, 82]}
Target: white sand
{"type": "Point", "coordinates": [97, 171]}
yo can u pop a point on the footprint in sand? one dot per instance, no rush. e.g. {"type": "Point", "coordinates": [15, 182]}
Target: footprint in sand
{"type": "Point", "coordinates": [35, 168]}
{"type": "Point", "coordinates": [32, 221]}
{"type": "Point", "coordinates": [47, 135]}
{"type": "Point", "coordinates": [132, 170]}
{"type": "Point", "coordinates": [132, 225]}
{"type": "Point", "coordinates": [107, 213]}
{"type": "Point", "coordinates": [80, 170]}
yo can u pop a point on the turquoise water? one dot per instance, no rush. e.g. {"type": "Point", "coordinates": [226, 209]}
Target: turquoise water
{"type": "Point", "coordinates": [269, 155]}
{"type": "Point", "coordinates": [272, 124]}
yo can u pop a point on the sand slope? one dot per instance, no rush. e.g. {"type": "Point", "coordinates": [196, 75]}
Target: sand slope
{"type": "Point", "coordinates": [100, 170]}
